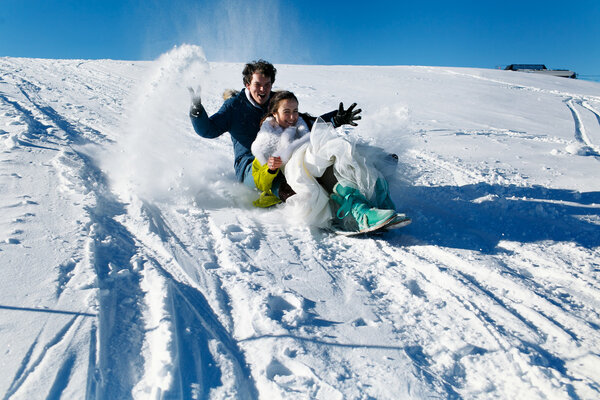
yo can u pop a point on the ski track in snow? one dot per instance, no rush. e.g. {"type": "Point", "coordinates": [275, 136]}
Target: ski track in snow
{"type": "Point", "coordinates": [493, 291]}
{"type": "Point", "coordinates": [583, 103]}
{"type": "Point", "coordinates": [581, 133]}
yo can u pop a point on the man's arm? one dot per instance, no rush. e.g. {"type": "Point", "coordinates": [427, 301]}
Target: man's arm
{"type": "Point", "coordinates": [329, 117]}
{"type": "Point", "coordinates": [205, 126]}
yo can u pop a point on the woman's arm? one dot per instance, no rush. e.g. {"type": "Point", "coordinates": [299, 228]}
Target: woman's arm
{"type": "Point", "coordinates": [263, 177]}
{"type": "Point", "coordinates": [266, 141]}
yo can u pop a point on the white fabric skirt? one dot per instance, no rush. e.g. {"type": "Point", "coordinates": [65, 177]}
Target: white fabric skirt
{"type": "Point", "coordinates": [354, 165]}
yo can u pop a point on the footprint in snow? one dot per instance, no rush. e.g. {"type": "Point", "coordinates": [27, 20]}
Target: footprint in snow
{"type": "Point", "coordinates": [293, 311]}
{"type": "Point", "coordinates": [234, 232]}
{"type": "Point", "coordinates": [296, 378]}
{"type": "Point", "coordinates": [65, 273]}
{"type": "Point", "coordinates": [237, 234]}
{"type": "Point", "coordinates": [275, 369]}
{"type": "Point", "coordinates": [23, 218]}
{"type": "Point", "coordinates": [23, 203]}
{"type": "Point", "coordinates": [414, 288]}
{"type": "Point", "coordinates": [15, 121]}
{"type": "Point", "coordinates": [287, 309]}
{"type": "Point", "coordinates": [11, 142]}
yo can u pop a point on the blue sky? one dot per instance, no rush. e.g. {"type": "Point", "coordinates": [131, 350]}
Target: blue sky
{"type": "Point", "coordinates": [486, 34]}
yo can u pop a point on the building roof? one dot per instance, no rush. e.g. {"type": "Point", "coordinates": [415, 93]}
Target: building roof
{"type": "Point", "coordinates": [535, 67]}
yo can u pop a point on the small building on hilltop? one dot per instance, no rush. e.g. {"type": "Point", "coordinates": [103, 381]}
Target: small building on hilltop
{"type": "Point", "coordinates": [541, 69]}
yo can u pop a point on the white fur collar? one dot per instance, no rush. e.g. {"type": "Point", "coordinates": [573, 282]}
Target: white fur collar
{"type": "Point", "coordinates": [251, 100]}
{"type": "Point", "coordinates": [273, 140]}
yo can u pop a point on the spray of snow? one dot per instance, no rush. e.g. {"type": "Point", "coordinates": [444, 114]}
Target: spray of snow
{"type": "Point", "coordinates": [387, 126]}
{"type": "Point", "coordinates": [158, 156]}
{"type": "Point", "coordinates": [248, 30]}
{"type": "Point", "coordinates": [228, 30]}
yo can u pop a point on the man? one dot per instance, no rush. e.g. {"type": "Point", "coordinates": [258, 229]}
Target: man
{"type": "Point", "coordinates": [241, 114]}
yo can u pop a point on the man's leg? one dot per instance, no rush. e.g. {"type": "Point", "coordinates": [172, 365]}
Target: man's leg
{"type": "Point", "coordinates": [248, 178]}
{"type": "Point", "coordinates": [281, 189]}
{"type": "Point", "coordinates": [328, 180]}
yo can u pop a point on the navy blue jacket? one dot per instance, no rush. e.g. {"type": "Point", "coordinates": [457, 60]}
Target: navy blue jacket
{"type": "Point", "coordinates": [241, 119]}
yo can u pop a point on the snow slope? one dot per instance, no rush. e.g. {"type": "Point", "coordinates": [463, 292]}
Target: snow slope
{"type": "Point", "coordinates": [133, 266]}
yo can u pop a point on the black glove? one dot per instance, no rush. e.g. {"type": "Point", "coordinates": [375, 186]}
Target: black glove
{"type": "Point", "coordinates": [196, 108]}
{"type": "Point", "coordinates": [346, 117]}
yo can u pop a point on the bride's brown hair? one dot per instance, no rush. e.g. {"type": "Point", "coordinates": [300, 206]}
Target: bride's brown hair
{"type": "Point", "coordinates": [277, 98]}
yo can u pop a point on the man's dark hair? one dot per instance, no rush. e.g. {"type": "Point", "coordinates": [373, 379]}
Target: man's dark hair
{"type": "Point", "coordinates": [262, 67]}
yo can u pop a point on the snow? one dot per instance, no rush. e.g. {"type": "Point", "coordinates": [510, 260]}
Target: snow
{"type": "Point", "coordinates": [133, 265]}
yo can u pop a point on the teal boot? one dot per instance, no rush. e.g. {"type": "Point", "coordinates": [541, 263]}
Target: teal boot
{"type": "Point", "coordinates": [352, 202]}
{"type": "Point", "coordinates": [383, 200]}
{"type": "Point", "coordinates": [382, 195]}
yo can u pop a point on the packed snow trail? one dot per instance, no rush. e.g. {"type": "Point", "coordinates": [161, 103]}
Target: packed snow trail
{"type": "Point", "coordinates": [134, 266]}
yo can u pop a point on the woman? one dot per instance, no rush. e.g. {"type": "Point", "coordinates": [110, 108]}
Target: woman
{"type": "Point", "coordinates": [318, 166]}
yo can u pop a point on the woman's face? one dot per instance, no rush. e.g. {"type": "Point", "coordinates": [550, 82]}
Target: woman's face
{"type": "Point", "coordinates": [287, 113]}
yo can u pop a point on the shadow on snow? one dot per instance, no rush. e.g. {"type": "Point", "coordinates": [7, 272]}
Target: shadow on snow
{"type": "Point", "coordinates": [477, 217]}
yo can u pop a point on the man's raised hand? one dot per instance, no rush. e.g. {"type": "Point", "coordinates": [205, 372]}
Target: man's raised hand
{"type": "Point", "coordinates": [196, 107]}
{"type": "Point", "coordinates": [348, 116]}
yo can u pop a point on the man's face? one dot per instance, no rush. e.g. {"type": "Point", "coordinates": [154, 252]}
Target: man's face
{"type": "Point", "coordinates": [259, 88]}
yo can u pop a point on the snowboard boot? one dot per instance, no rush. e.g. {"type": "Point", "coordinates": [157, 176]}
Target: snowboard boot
{"type": "Point", "coordinates": [382, 195]}
{"type": "Point", "coordinates": [352, 202]}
